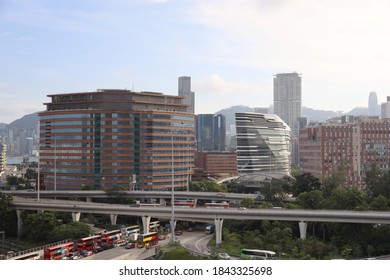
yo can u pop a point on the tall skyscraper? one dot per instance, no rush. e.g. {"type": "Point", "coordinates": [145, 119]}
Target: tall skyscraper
{"type": "Point", "coordinates": [116, 138]}
{"type": "Point", "coordinates": [288, 99]}
{"type": "Point", "coordinates": [263, 144]}
{"type": "Point", "coordinates": [211, 132]}
{"type": "Point", "coordinates": [288, 106]}
{"type": "Point", "coordinates": [219, 133]}
{"type": "Point", "coordinates": [373, 108]}
{"type": "Point", "coordinates": [185, 90]}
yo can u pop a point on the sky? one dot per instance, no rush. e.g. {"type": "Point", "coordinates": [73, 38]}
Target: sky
{"type": "Point", "coordinates": [231, 49]}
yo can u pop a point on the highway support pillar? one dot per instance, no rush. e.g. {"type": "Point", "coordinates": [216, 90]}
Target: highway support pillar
{"type": "Point", "coordinates": [89, 199]}
{"type": "Point", "coordinates": [146, 223]}
{"type": "Point", "coordinates": [302, 229]}
{"type": "Point", "coordinates": [113, 218]}
{"type": "Point", "coordinates": [76, 216]}
{"type": "Point", "coordinates": [163, 202]}
{"type": "Point", "coordinates": [218, 231]}
{"type": "Point", "coordinates": [20, 221]}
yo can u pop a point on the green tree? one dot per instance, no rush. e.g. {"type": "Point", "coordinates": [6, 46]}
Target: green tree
{"type": "Point", "coordinates": [305, 182]}
{"type": "Point", "coordinates": [207, 186]}
{"type": "Point", "coordinates": [37, 227]}
{"type": "Point", "coordinates": [248, 203]}
{"type": "Point", "coordinates": [73, 230]}
{"type": "Point", "coordinates": [347, 199]}
{"type": "Point", "coordinates": [310, 200]}
{"type": "Point", "coordinates": [379, 203]}
{"type": "Point", "coordinates": [7, 215]}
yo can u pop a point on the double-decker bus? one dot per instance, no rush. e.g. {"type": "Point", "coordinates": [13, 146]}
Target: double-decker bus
{"type": "Point", "coordinates": [132, 232]}
{"type": "Point", "coordinates": [147, 239]}
{"type": "Point", "coordinates": [88, 243]}
{"type": "Point", "coordinates": [153, 226]}
{"type": "Point", "coordinates": [58, 252]}
{"type": "Point", "coordinates": [110, 236]}
{"type": "Point", "coordinates": [184, 203]}
{"type": "Point", "coordinates": [216, 205]}
{"type": "Point", "coordinates": [254, 254]}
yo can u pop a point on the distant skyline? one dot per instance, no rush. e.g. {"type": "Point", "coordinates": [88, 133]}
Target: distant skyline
{"type": "Point", "coordinates": [231, 49]}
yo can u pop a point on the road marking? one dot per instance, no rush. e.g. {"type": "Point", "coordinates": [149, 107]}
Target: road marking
{"type": "Point", "coordinates": [196, 244]}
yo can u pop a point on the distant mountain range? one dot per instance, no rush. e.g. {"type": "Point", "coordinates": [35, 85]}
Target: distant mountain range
{"type": "Point", "coordinates": [26, 122]}
{"type": "Point", "coordinates": [31, 121]}
{"type": "Point", "coordinates": [311, 114]}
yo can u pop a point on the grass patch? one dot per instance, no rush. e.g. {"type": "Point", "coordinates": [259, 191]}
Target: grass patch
{"type": "Point", "coordinates": [177, 252]}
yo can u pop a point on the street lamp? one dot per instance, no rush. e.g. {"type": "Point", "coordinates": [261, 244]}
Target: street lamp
{"type": "Point", "coordinates": [39, 175]}
{"type": "Point", "coordinates": [173, 196]}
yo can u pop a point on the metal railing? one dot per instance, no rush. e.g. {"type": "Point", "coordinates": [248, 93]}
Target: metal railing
{"type": "Point", "coordinates": [10, 255]}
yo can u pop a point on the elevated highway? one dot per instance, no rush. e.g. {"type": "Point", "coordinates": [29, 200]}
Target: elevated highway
{"type": "Point", "coordinates": [215, 196]}
{"type": "Point", "coordinates": [207, 215]}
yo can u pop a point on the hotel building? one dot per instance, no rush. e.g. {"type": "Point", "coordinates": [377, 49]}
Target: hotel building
{"type": "Point", "coordinates": [116, 138]}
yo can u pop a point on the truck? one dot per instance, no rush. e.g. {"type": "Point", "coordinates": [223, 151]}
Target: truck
{"type": "Point", "coordinates": [210, 229]}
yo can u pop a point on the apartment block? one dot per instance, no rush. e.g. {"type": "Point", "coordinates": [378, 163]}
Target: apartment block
{"type": "Point", "coordinates": [354, 146]}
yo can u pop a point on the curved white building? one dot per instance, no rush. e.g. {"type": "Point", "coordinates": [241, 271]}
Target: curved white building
{"type": "Point", "coordinates": [263, 144]}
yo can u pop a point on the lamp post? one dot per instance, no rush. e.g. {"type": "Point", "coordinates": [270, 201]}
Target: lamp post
{"type": "Point", "coordinates": [55, 163]}
{"type": "Point", "coordinates": [39, 175]}
{"type": "Point", "coordinates": [173, 196]}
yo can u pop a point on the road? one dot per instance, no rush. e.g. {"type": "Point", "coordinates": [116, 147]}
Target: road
{"type": "Point", "coordinates": [195, 241]}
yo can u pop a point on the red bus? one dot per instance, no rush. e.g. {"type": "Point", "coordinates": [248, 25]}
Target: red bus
{"type": "Point", "coordinates": [110, 236]}
{"type": "Point", "coordinates": [88, 243]}
{"type": "Point", "coordinates": [58, 252]}
{"type": "Point", "coordinates": [147, 239]}
{"type": "Point", "coordinates": [217, 205]}
{"type": "Point", "coordinates": [184, 203]}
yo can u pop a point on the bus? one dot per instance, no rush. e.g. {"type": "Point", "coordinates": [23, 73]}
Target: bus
{"type": "Point", "coordinates": [184, 203]}
{"type": "Point", "coordinates": [58, 252]}
{"type": "Point", "coordinates": [109, 236]}
{"type": "Point", "coordinates": [153, 226]}
{"type": "Point", "coordinates": [254, 254]}
{"type": "Point", "coordinates": [216, 205]}
{"type": "Point", "coordinates": [132, 232]}
{"type": "Point", "coordinates": [210, 229]}
{"type": "Point", "coordinates": [147, 239]}
{"type": "Point", "coordinates": [88, 243]}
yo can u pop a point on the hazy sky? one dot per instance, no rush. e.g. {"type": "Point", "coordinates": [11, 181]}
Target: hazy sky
{"type": "Point", "coordinates": [230, 48]}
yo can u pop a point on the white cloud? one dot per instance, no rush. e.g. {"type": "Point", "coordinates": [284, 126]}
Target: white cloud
{"type": "Point", "coordinates": [215, 84]}
{"type": "Point", "coordinates": [340, 47]}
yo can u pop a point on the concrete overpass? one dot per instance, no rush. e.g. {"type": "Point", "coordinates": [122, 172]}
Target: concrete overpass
{"type": "Point", "coordinates": [207, 215]}
{"type": "Point", "coordinates": [214, 196]}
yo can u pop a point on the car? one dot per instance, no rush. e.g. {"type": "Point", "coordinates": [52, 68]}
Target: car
{"type": "Point", "coordinates": [75, 256]}
{"type": "Point", "coordinates": [108, 246]}
{"type": "Point", "coordinates": [223, 256]}
{"type": "Point", "coordinates": [162, 237]}
{"type": "Point", "coordinates": [119, 242]}
{"type": "Point", "coordinates": [86, 253]}
{"type": "Point", "coordinates": [130, 245]}
{"type": "Point", "coordinates": [241, 208]}
{"type": "Point", "coordinates": [178, 232]}
{"type": "Point", "coordinates": [97, 249]}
